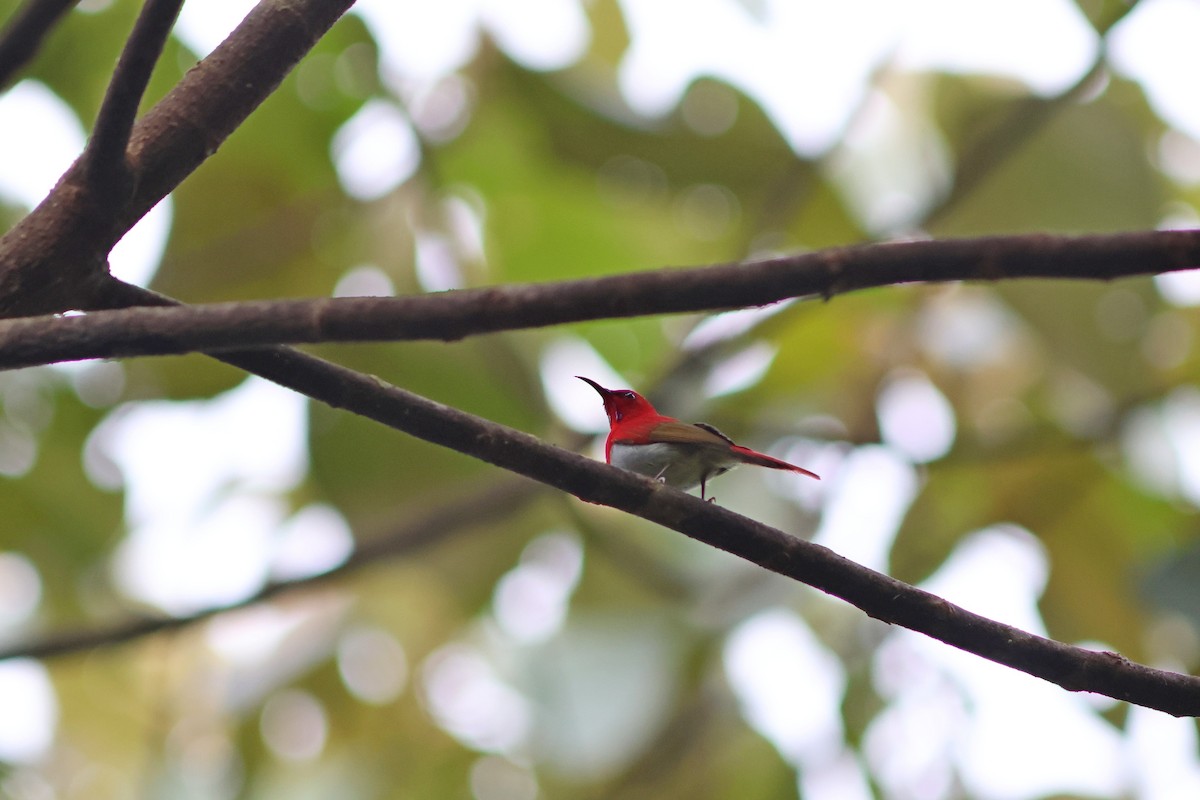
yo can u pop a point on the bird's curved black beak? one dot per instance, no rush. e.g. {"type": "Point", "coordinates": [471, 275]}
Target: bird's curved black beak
{"type": "Point", "coordinates": [600, 389]}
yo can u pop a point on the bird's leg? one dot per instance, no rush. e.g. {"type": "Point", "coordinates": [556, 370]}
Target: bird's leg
{"type": "Point", "coordinates": [661, 477]}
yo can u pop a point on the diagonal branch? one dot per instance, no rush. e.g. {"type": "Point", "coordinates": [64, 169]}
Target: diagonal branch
{"type": "Point", "coordinates": [23, 35]}
{"type": "Point", "coordinates": [454, 315]}
{"type": "Point", "coordinates": [878, 595]}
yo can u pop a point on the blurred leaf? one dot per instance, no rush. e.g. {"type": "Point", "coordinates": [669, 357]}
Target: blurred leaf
{"type": "Point", "coordinates": [267, 217]}
{"type": "Point", "coordinates": [1103, 14]}
{"type": "Point", "coordinates": [610, 36]}
{"type": "Point", "coordinates": [586, 124]}
{"type": "Point", "coordinates": [108, 702]}
{"type": "Point", "coordinates": [54, 514]}
{"type": "Point", "coordinates": [602, 688]}
{"type": "Point", "coordinates": [1093, 327]}
{"type": "Point", "coordinates": [576, 193]}
{"type": "Point", "coordinates": [1084, 171]}
{"type": "Point", "coordinates": [1170, 583]}
{"type": "Point", "coordinates": [1104, 528]}
{"type": "Point", "coordinates": [1093, 526]}
{"type": "Point", "coordinates": [187, 377]}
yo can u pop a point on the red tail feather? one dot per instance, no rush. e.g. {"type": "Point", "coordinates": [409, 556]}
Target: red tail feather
{"type": "Point", "coordinates": [762, 460]}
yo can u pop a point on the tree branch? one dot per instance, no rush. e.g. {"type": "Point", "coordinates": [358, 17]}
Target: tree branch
{"type": "Point", "coordinates": [878, 595]}
{"type": "Point", "coordinates": [454, 315]}
{"type": "Point", "coordinates": [24, 33]}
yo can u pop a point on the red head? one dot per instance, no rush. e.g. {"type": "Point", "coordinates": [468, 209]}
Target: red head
{"type": "Point", "coordinates": [621, 405]}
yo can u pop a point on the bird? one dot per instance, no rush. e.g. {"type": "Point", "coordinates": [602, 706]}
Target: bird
{"type": "Point", "coordinates": [680, 454]}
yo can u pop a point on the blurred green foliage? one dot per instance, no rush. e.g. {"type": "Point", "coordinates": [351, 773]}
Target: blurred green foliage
{"type": "Point", "coordinates": [565, 183]}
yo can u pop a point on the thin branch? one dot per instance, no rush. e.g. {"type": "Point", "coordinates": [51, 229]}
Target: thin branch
{"type": "Point", "coordinates": [439, 525]}
{"type": "Point", "coordinates": [23, 35]}
{"type": "Point", "coordinates": [455, 315]}
{"type": "Point", "coordinates": [105, 157]}
{"type": "Point", "coordinates": [878, 595]}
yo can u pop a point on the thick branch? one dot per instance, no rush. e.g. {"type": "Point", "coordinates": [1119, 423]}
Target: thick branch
{"type": "Point", "coordinates": [23, 35]}
{"type": "Point", "coordinates": [454, 315]}
{"type": "Point", "coordinates": [878, 595]}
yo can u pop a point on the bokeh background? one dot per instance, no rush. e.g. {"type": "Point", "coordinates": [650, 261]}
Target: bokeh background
{"type": "Point", "coordinates": [1027, 449]}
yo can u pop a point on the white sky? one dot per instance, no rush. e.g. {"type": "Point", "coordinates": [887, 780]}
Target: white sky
{"type": "Point", "coordinates": [208, 528]}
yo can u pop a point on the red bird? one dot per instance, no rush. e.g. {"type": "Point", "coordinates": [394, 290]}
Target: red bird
{"type": "Point", "coordinates": [679, 454]}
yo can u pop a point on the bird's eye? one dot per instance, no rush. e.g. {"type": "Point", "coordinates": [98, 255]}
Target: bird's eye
{"type": "Point", "coordinates": [628, 395]}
